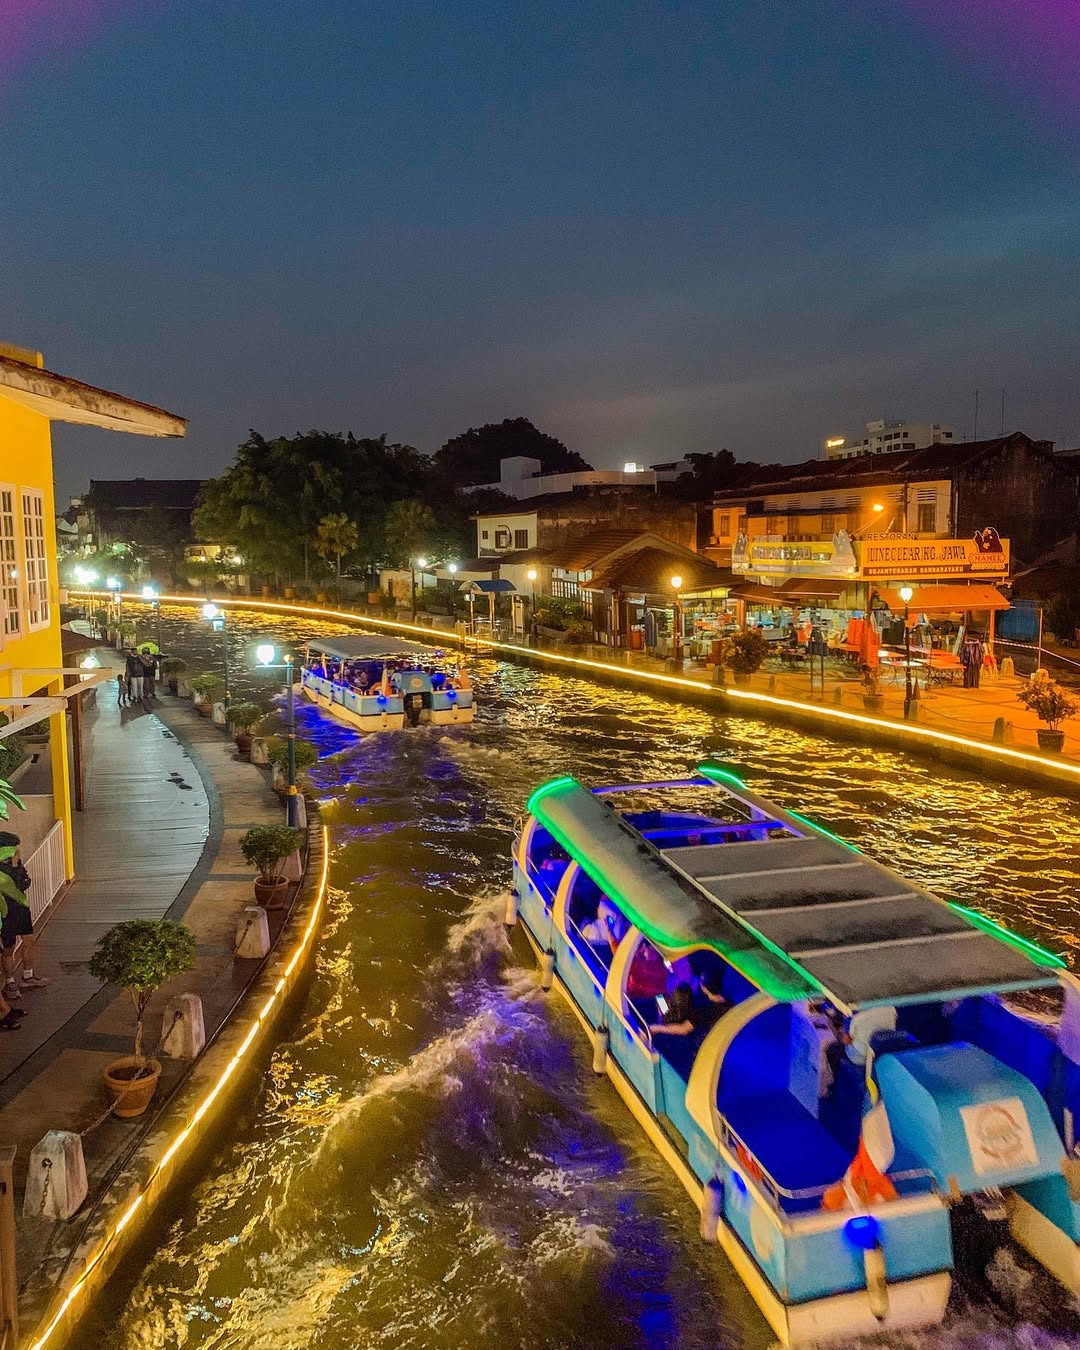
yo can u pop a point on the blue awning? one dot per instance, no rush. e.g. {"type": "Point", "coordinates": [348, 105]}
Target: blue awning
{"type": "Point", "coordinates": [493, 586]}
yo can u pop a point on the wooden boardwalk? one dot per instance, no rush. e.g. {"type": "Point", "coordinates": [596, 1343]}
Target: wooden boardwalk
{"type": "Point", "coordinates": [144, 829]}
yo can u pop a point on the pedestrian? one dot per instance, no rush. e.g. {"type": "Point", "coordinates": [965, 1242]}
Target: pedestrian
{"type": "Point", "coordinates": [972, 652]}
{"type": "Point", "coordinates": [122, 689]}
{"type": "Point", "coordinates": [135, 675]}
{"type": "Point", "coordinates": [149, 664]}
{"type": "Point", "coordinates": [18, 925]}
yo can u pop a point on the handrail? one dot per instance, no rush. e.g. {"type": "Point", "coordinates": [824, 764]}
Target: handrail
{"type": "Point", "coordinates": [631, 1014]}
{"type": "Point", "coordinates": [573, 928]}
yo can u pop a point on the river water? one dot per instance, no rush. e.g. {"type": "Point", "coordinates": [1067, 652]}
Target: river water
{"type": "Point", "coordinates": [429, 1161]}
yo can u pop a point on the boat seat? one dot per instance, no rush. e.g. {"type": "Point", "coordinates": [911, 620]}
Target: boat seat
{"type": "Point", "coordinates": [795, 1149]}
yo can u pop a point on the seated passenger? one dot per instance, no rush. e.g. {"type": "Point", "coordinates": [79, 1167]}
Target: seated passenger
{"type": "Point", "coordinates": [595, 933]}
{"type": "Point", "coordinates": [615, 925]}
{"type": "Point", "coordinates": [648, 974]}
{"type": "Point", "coordinates": [681, 1017]}
{"type": "Point", "coordinates": [711, 986]}
{"type": "Point", "coordinates": [363, 681]}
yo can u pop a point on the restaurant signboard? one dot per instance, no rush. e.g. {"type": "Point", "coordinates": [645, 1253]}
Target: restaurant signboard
{"type": "Point", "coordinates": [773, 555]}
{"type": "Point", "coordinates": [900, 556]}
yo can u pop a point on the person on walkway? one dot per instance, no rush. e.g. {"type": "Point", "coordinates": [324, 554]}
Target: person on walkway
{"type": "Point", "coordinates": [135, 675]}
{"type": "Point", "coordinates": [18, 926]}
{"type": "Point", "coordinates": [149, 665]}
{"type": "Point", "coordinates": [972, 652]}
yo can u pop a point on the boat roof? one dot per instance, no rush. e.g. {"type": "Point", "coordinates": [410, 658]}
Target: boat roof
{"type": "Point", "coordinates": [372, 646]}
{"type": "Point", "coordinates": [800, 912]}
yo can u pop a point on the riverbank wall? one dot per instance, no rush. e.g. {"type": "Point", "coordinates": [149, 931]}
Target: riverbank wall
{"type": "Point", "coordinates": [980, 754]}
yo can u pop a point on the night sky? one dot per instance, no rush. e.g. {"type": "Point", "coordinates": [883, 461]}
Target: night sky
{"type": "Point", "coordinates": [649, 227]}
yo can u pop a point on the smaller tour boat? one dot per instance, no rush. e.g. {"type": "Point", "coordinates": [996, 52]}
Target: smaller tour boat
{"type": "Point", "coordinates": [370, 689]}
{"type": "Point", "coordinates": [831, 1059]}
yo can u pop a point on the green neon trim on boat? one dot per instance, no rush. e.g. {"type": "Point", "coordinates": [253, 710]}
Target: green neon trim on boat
{"type": "Point", "coordinates": [545, 789]}
{"type": "Point", "coordinates": [1007, 935]}
{"type": "Point", "coordinates": [757, 961]}
{"type": "Point", "coordinates": [721, 775]}
{"type": "Point", "coordinates": [820, 829]}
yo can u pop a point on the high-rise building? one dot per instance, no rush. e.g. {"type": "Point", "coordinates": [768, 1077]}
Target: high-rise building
{"type": "Point", "coordinates": [883, 436]}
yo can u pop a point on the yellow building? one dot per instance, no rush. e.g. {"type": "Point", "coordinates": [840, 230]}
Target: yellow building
{"type": "Point", "coordinates": [32, 674]}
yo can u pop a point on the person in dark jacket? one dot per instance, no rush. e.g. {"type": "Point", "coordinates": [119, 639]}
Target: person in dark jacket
{"type": "Point", "coordinates": [17, 925]}
{"type": "Point", "coordinates": [135, 675]}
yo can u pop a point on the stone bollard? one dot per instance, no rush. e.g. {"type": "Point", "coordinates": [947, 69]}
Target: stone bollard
{"type": "Point", "coordinates": [838, 695]}
{"type": "Point", "coordinates": [772, 684]}
{"type": "Point", "coordinates": [183, 688]}
{"type": "Point", "coordinates": [718, 676]}
{"type": "Point", "coordinates": [185, 1034]}
{"type": "Point", "coordinates": [259, 753]}
{"type": "Point", "coordinates": [218, 715]}
{"type": "Point", "coordinates": [292, 867]}
{"type": "Point", "coordinates": [1003, 731]}
{"type": "Point", "coordinates": [1007, 669]}
{"type": "Point", "coordinates": [252, 934]}
{"type": "Point", "coordinates": [277, 778]}
{"type": "Point", "coordinates": [299, 820]}
{"type": "Point", "coordinates": [55, 1177]}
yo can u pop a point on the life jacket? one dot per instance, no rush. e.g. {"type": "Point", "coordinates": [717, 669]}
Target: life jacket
{"type": "Point", "coordinates": [865, 1182]}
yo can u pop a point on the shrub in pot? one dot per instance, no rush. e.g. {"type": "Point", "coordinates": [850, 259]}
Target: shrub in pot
{"type": "Point", "coordinates": [139, 956]}
{"type": "Point", "coordinates": [171, 669]}
{"type": "Point", "coordinates": [873, 698]}
{"type": "Point", "coordinates": [243, 717]}
{"type": "Point", "coordinates": [207, 690]}
{"type": "Point", "coordinates": [578, 631]}
{"type": "Point", "coordinates": [265, 847]}
{"type": "Point", "coordinates": [1051, 704]}
{"type": "Point", "coordinates": [305, 755]}
{"type": "Point", "coordinates": [744, 654]}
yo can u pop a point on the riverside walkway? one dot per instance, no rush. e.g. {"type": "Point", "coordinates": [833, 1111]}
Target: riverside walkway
{"type": "Point", "coordinates": [166, 803]}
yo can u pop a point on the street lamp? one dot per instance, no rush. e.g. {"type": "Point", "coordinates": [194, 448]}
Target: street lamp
{"type": "Point", "coordinates": [216, 619]}
{"type": "Point", "coordinates": [676, 583]}
{"type": "Point", "coordinates": [420, 563]}
{"type": "Point", "coordinates": [113, 585]}
{"type": "Point", "coordinates": [264, 654]}
{"type": "Point", "coordinates": [151, 597]}
{"type": "Point", "coordinates": [906, 592]}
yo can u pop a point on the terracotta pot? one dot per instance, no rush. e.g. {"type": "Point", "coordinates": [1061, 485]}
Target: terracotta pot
{"type": "Point", "coordinates": [174, 683]}
{"type": "Point", "coordinates": [290, 593]}
{"type": "Point", "coordinates": [271, 893]}
{"type": "Point", "coordinates": [1054, 741]}
{"type": "Point", "coordinates": [132, 1094]}
{"type": "Point", "coordinates": [243, 741]}
{"type": "Point", "coordinates": [202, 707]}
{"type": "Point", "coordinates": [320, 597]}
{"type": "Point", "coordinates": [741, 676]}
{"type": "Point", "coordinates": [873, 702]}
{"type": "Point", "coordinates": [266, 592]}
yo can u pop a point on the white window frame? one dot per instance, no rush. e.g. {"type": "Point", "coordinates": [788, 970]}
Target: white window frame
{"type": "Point", "coordinates": [35, 560]}
{"type": "Point", "coordinates": [11, 609]}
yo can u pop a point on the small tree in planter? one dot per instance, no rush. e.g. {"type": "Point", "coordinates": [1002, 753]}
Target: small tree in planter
{"type": "Point", "coordinates": [208, 690]}
{"type": "Point", "coordinates": [305, 755]}
{"type": "Point", "coordinates": [873, 698]}
{"type": "Point", "coordinates": [1050, 704]}
{"type": "Point", "coordinates": [140, 956]}
{"type": "Point", "coordinates": [744, 654]}
{"type": "Point", "coordinates": [265, 847]}
{"type": "Point", "coordinates": [578, 631]}
{"type": "Point", "coordinates": [172, 668]}
{"type": "Point", "coordinates": [243, 717]}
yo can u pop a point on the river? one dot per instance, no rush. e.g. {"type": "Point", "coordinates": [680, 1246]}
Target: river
{"type": "Point", "coordinates": [429, 1161]}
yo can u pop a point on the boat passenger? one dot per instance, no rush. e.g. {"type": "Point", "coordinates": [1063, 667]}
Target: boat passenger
{"type": "Point", "coordinates": [595, 933]}
{"type": "Point", "coordinates": [710, 986]}
{"type": "Point", "coordinates": [363, 680]}
{"type": "Point", "coordinates": [681, 1017]}
{"type": "Point", "coordinates": [615, 924]}
{"type": "Point", "coordinates": [648, 975]}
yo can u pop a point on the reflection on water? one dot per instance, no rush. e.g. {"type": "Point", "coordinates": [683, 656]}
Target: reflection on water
{"type": "Point", "coordinates": [429, 1161]}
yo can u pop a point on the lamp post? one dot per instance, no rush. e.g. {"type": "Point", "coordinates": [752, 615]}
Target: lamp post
{"type": "Point", "coordinates": [420, 563]}
{"type": "Point", "coordinates": [112, 584]}
{"type": "Point", "coordinates": [676, 583]}
{"type": "Point", "coordinates": [151, 597]}
{"type": "Point", "coordinates": [265, 654]}
{"type": "Point", "coordinates": [906, 592]}
{"type": "Point", "coordinates": [216, 619]}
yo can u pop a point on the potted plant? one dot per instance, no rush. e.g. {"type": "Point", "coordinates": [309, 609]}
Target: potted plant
{"type": "Point", "coordinates": [744, 654]}
{"type": "Point", "coordinates": [207, 690]}
{"type": "Point", "coordinates": [578, 631]}
{"type": "Point", "coordinates": [1051, 704]}
{"type": "Point", "coordinates": [171, 669]}
{"type": "Point", "coordinates": [243, 717]}
{"type": "Point", "coordinates": [305, 755]}
{"type": "Point", "coordinates": [873, 698]}
{"type": "Point", "coordinates": [139, 956]}
{"type": "Point", "coordinates": [265, 847]}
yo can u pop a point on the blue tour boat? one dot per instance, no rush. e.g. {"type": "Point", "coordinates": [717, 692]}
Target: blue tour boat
{"type": "Point", "coordinates": [821, 1050]}
{"type": "Point", "coordinates": [356, 680]}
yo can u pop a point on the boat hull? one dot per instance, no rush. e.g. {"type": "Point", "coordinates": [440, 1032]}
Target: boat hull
{"type": "Point", "coordinates": [373, 713]}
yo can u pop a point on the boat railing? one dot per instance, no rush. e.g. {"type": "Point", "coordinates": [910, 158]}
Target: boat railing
{"type": "Point", "coordinates": [775, 1192]}
{"type": "Point", "coordinates": [637, 1024]}
{"type": "Point", "coordinates": [572, 932]}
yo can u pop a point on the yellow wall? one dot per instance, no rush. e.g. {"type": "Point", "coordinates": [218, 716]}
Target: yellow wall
{"type": "Point", "coordinates": [26, 461]}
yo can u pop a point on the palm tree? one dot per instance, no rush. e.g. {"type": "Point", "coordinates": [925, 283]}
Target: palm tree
{"type": "Point", "coordinates": [335, 536]}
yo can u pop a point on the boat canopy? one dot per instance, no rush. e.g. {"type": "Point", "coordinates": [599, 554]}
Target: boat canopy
{"type": "Point", "coordinates": [796, 910]}
{"type": "Point", "coordinates": [361, 646]}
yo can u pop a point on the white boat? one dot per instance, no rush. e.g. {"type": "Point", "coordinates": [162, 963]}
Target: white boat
{"type": "Point", "coordinates": [370, 689]}
{"type": "Point", "coordinates": [851, 1071]}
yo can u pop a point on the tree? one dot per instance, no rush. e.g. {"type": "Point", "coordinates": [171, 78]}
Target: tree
{"type": "Point", "coordinates": [473, 457]}
{"type": "Point", "coordinates": [335, 536]}
{"type": "Point", "coordinates": [709, 473]}
{"type": "Point", "coordinates": [410, 529]}
{"type": "Point", "coordinates": [140, 956]}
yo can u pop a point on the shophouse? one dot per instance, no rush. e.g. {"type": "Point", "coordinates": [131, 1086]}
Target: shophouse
{"type": "Point", "coordinates": [832, 539]}
{"type": "Point", "coordinates": [37, 686]}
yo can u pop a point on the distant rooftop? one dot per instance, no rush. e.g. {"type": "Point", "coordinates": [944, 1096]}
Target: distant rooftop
{"type": "Point", "coordinates": [136, 494]}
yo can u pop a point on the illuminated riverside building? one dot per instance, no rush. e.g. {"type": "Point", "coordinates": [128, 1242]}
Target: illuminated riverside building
{"type": "Point", "coordinates": [829, 539]}
{"type": "Point", "coordinates": [36, 683]}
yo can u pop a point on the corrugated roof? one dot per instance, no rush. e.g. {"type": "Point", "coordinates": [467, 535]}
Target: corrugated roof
{"type": "Point", "coordinates": [813, 475]}
{"type": "Point", "coordinates": [579, 555]}
{"type": "Point", "coordinates": [651, 569]}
